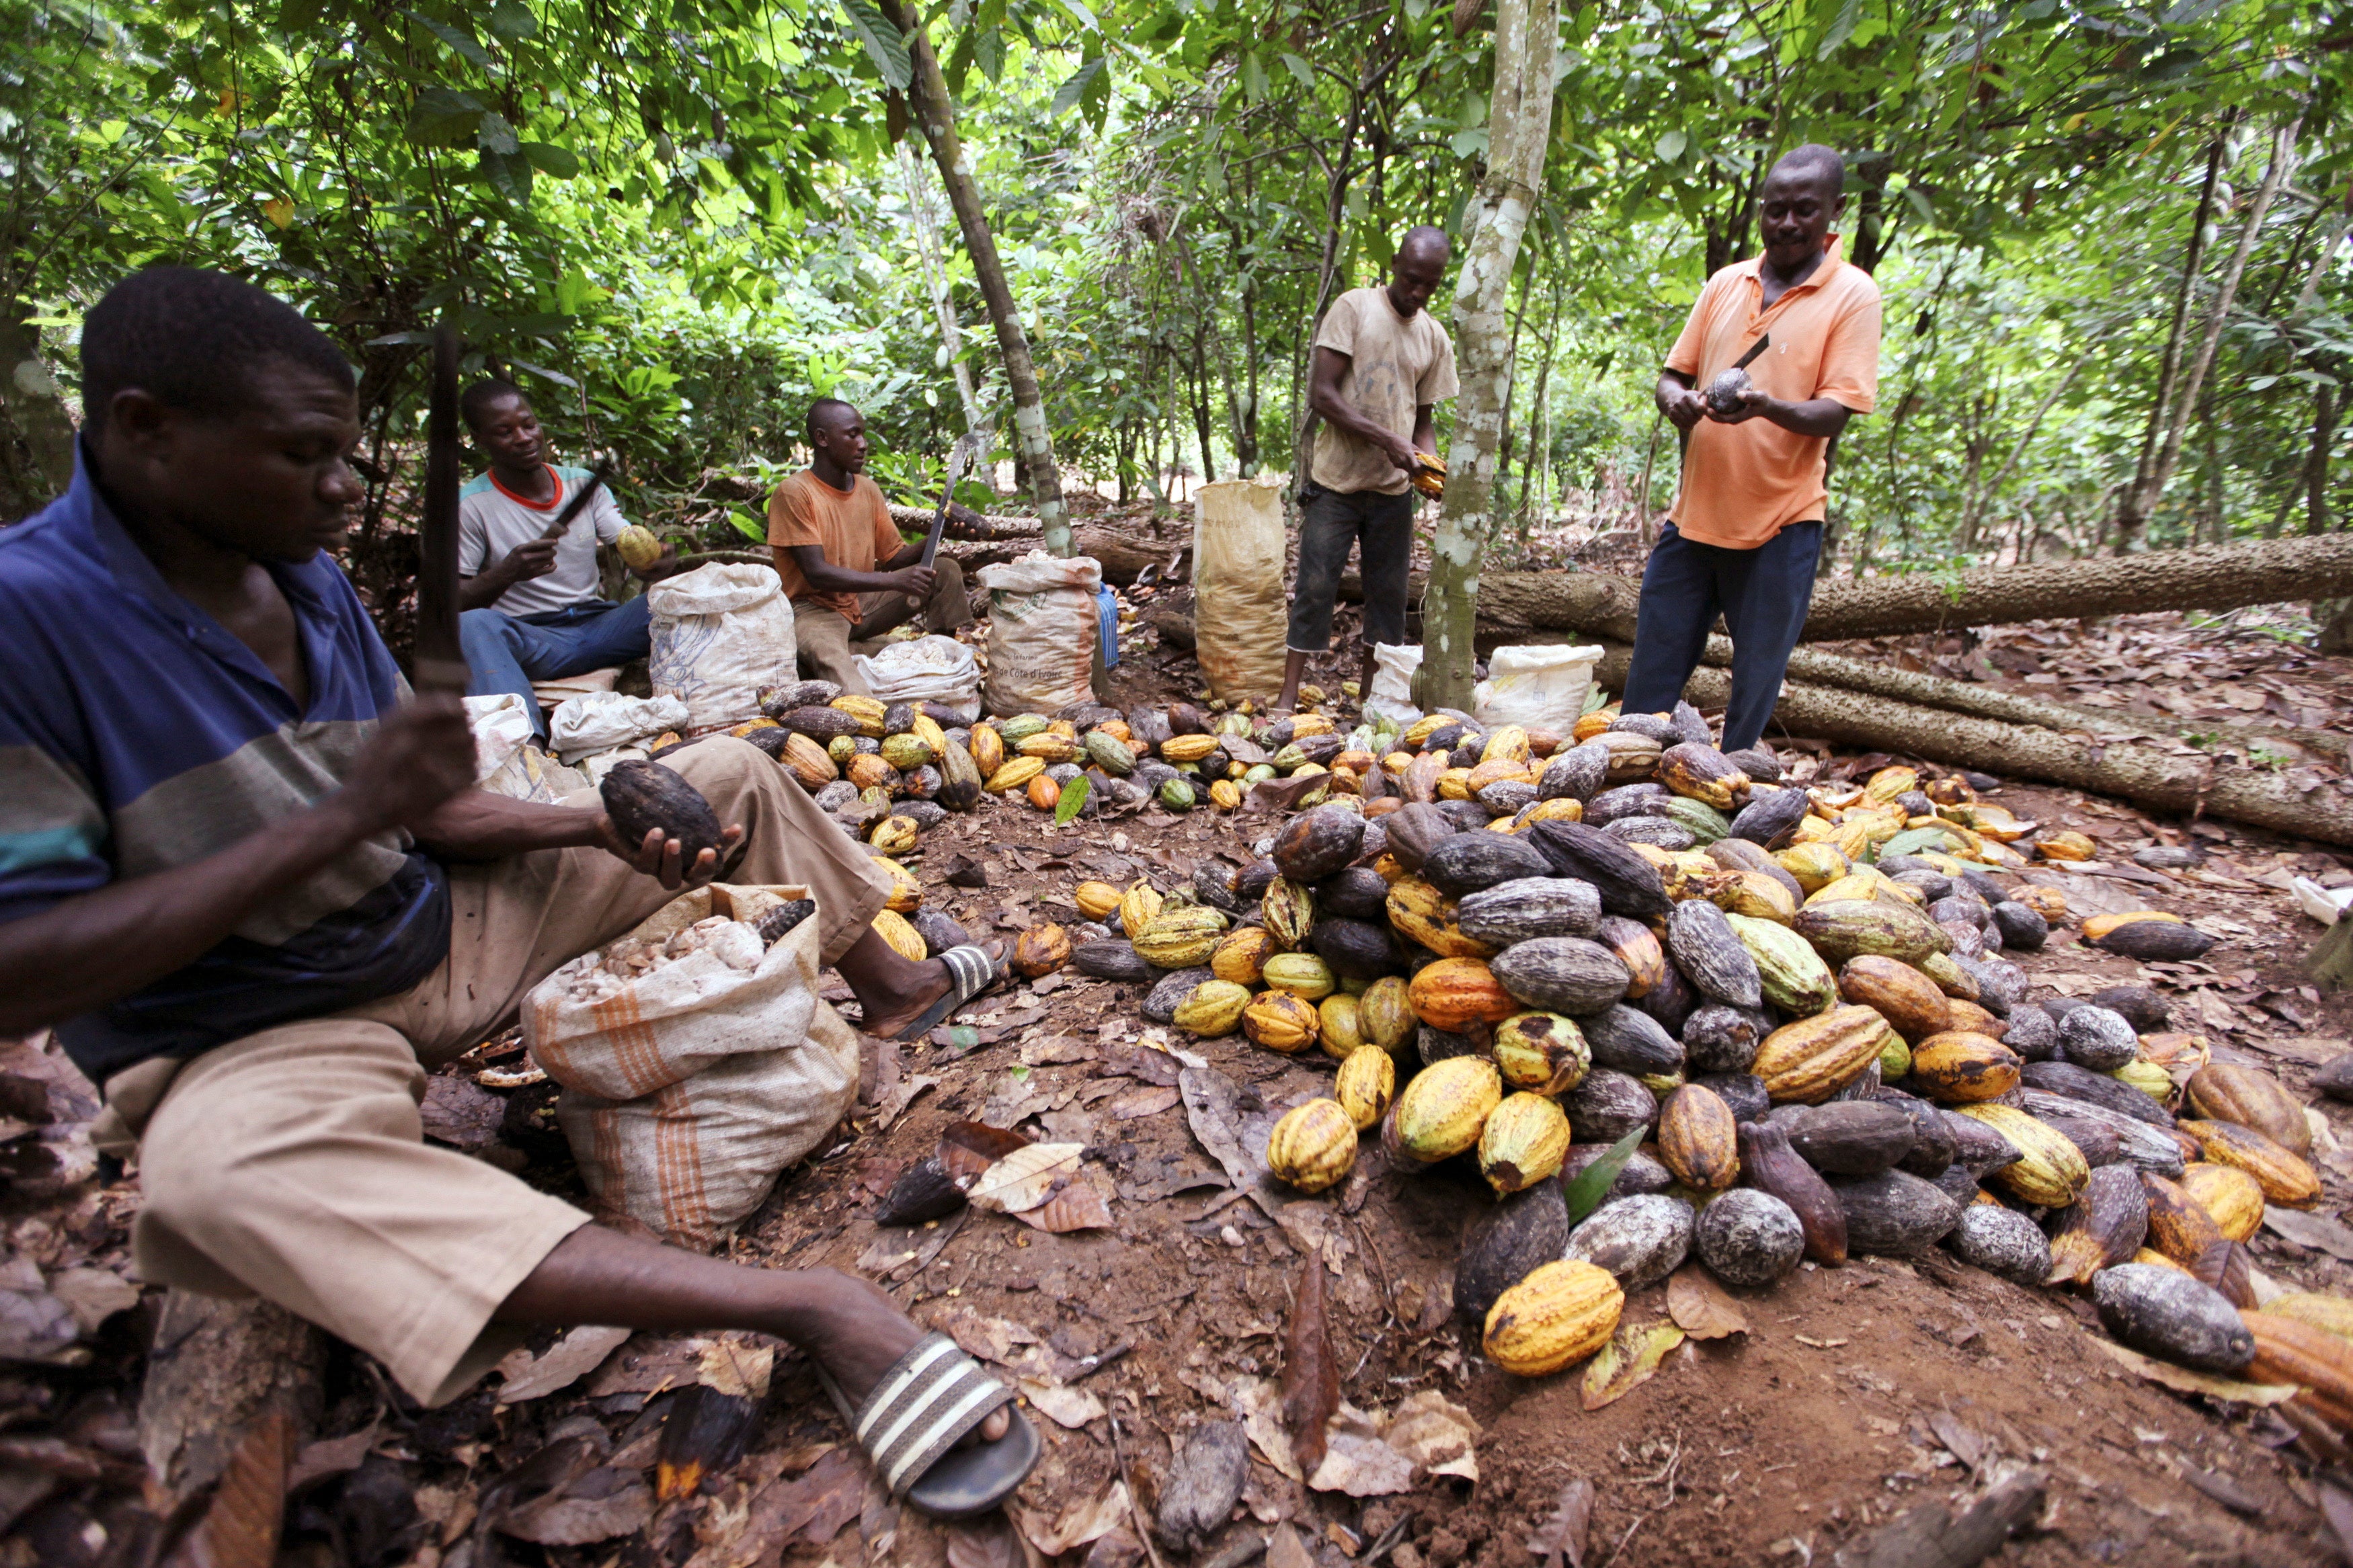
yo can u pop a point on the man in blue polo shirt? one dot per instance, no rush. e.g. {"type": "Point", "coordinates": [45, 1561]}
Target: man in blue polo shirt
{"type": "Point", "coordinates": [244, 878]}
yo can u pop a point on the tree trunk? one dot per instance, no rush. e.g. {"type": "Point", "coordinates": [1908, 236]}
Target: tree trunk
{"type": "Point", "coordinates": [2274, 572]}
{"type": "Point", "coordinates": [2316, 462]}
{"type": "Point", "coordinates": [2186, 781]}
{"type": "Point", "coordinates": [927, 95]}
{"type": "Point", "coordinates": [2132, 515]}
{"type": "Point", "coordinates": [36, 437]}
{"type": "Point", "coordinates": [1519, 127]}
{"type": "Point", "coordinates": [936, 275]}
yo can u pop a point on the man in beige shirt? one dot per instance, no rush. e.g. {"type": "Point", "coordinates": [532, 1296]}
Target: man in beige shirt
{"type": "Point", "coordinates": [1382, 363]}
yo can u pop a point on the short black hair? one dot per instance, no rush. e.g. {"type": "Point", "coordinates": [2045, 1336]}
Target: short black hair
{"type": "Point", "coordinates": [195, 340]}
{"type": "Point", "coordinates": [1422, 235]}
{"type": "Point", "coordinates": [475, 405]}
{"type": "Point", "coordinates": [1814, 161]}
{"type": "Point", "coordinates": [820, 411]}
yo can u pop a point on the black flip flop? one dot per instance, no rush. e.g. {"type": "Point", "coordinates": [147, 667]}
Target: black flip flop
{"type": "Point", "coordinates": [970, 971]}
{"type": "Point", "coordinates": [911, 1422]}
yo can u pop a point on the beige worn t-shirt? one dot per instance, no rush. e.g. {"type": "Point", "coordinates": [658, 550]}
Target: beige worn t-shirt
{"type": "Point", "coordinates": [1394, 366]}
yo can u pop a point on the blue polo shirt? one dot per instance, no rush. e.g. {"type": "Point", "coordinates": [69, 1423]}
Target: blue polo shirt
{"type": "Point", "coordinates": [138, 734]}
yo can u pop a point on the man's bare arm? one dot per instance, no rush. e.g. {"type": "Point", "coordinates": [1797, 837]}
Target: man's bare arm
{"type": "Point", "coordinates": [102, 945]}
{"type": "Point", "coordinates": [1822, 416]}
{"type": "Point", "coordinates": [475, 824]}
{"type": "Point", "coordinates": [1425, 427]}
{"type": "Point", "coordinates": [828, 578]}
{"type": "Point", "coordinates": [1323, 396]}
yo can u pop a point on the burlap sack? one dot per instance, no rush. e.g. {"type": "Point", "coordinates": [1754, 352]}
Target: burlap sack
{"type": "Point", "coordinates": [1240, 620]}
{"type": "Point", "coordinates": [688, 1090]}
{"type": "Point", "coordinates": [1041, 633]}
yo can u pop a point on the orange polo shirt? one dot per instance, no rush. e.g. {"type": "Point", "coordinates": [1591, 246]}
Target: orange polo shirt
{"type": "Point", "coordinates": [1743, 483]}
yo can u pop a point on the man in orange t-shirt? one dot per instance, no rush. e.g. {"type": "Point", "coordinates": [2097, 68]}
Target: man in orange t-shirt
{"type": "Point", "coordinates": [851, 577]}
{"type": "Point", "coordinates": [1746, 528]}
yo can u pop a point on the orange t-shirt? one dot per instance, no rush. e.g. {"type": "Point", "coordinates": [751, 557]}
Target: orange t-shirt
{"type": "Point", "coordinates": [855, 532]}
{"type": "Point", "coordinates": [1743, 483]}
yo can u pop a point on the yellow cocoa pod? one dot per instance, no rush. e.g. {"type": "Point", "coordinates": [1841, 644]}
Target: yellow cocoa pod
{"type": "Point", "coordinates": [2286, 1177]}
{"type": "Point", "coordinates": [2050, 1171]}
{"type": "Point", "coordinates": [1453, 994]}
{"type": "Point", "coordinates": [1180, 937]}
{"type": "Point", "coordinates": [867, 711]}
{"type": "Point", "coordinates": [904, 939]}
{"type": "Point", "coordinates": [906, 893]}
{"type": "Point", "coordinates": [1241, 957]}
{"type": "Point", "coordinates": [1138, 908]}
{"type": "Point", "coordinates": [2147, 1077]}
{"type": "Point", "coordinates": [893, 834]}
{"type": "Point", "coordinates": [2066, 847]}
{"type": "Point", "coordinates": [1212, 1009]}
{"type": "Point", "coordinates": [1041, 950]}
{"type": "Point", "coordinates": [987, 749]}
{"type": "Point", "coordinates": [1885, 785]}
{"type": "Point", "coordinates": [1281, 1022]}
{"type": "Point", "coordinates": [1226, 794]}
{"type": "Point", "coordinates": [1302, 974]}
{"type": "Point", "coordinates": [1365, 1085]}
{"type": "Point", "coordinates": [1014, 774]}
{"type": "Point", "coordinates": [2234, 1198]}
{"type": "Point", "coordinates": [1188, 748]}
{"type": "Point", "coordinates": [1097, 899]}
{"type": "Point", "coordinates": [1542, 1053]}
{"type": "Point", "coordinates": [1808, 1061]}
{"type": "Point", "coordinates": [926, 728]}
{"type": "Point", "coordinates": [1044, 793]}
{"type": "Point", "coordinates": [1563, 1312]}
{"type": "Point", "coordinates": [1454, 784]}
{"type": "Point", "coordinates": [1385, 1012]}
{"type": "Point", "coordinates": [1441, 1111]}
{"type": "Point", "coordinates": [1524, 1141]}
{"type": "Point", "coordinates": [1342, 1032]}
{"type": "Point", "coordinates": [1313, 1146]}
{"type": "Point", "coordinates": [1506, 744]}
{"type": "Point", "coordinates": [1048, 748]}
{"type": "Point", "coordinates": [639, 546]}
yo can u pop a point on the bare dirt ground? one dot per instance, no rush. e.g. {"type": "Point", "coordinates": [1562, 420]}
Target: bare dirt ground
{"type": "Point", "coordinates": [1852, 1395]}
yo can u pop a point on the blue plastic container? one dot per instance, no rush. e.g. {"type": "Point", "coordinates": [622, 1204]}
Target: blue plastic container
{"type": "Point", "coordinates": [1107, 623]}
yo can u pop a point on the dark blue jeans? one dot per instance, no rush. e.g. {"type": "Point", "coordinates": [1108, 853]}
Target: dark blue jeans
{"type": "Point", "coordinates": [1763, 594]}
{"type": "Point", "coordinates": [509, 652]}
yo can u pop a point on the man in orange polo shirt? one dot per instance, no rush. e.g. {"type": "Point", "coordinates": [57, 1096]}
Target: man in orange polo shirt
{"type": "Point", "coordinates": [850, 576]}
{"type": "Point", "coordinates": [1746, 528]}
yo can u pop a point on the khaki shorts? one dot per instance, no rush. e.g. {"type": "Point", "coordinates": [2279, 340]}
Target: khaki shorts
{"type": "Point", "coordinates": [291, 1164]}
{"type": "Point", "coordinates": [823, 635]}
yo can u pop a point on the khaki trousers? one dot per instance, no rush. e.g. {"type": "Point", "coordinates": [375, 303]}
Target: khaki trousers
{"type": "Point", "coordinates": [291, 1165]}
{"type": "Point", "coordinates": [824, 635]}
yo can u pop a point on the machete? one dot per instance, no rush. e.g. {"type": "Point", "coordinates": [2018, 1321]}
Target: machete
{"type": "Point", "coordinates": [437, 662]}
{"type": "Point", "coordinates": [597, 478]}
{"type": "Point", "coordinates": [959, 459]}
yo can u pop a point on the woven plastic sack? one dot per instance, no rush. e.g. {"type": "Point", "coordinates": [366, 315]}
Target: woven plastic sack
{"type": "Point", "coordinates": [1391, 697]}
{"type": "Point", "coordinates": [933, 668]}
{"type": "Point", "coordinates": [719, 633]}
{"type": "Point", "coordinates": [1041, 633]}
{"type": "Point", "coordinates": [602, 720]}
{"type": "Point", "coordinates": [687, 1089]}
{"type": "Point", "coordinates": [1240, 620]}
{"type": "Point", "coordinates": [1542, 687]}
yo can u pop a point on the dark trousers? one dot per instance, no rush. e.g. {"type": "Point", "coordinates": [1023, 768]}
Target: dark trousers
{"type": "Point", "coordinates": [1763, 594]}
{"type": "Point", "coordinates": [1381, 526]}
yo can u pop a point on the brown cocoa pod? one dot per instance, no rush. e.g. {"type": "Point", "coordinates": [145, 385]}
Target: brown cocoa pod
{"type": "Point", "coordinates": [1769, 1164]}
{"type": "Point", "coordinates": [643, 797]}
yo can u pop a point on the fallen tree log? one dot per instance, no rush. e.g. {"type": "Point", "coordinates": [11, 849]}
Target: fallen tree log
{"type": "Point", "coordinates": [2228, 577]}
{"type": "Point", "coordinates": [219, 1369]}
{"type": "Point", "coordinates": [2298, 802]}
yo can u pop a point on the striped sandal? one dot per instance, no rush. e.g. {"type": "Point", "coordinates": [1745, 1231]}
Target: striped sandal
{"type": "Point", "coordinates": [910, 1425]}
{"type": "Point", "coordinates": [971, 971]}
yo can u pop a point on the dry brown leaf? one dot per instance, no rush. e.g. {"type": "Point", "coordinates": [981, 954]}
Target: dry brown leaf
{"type": "Point", "coordinates": [1700, 1307]}
{"type": "Point", "coordinates": [2182, 1380]}
{"type": "Point", "coordinates": [1076, 1204]}
{"type": "Point", "coordinates": [967, 1149]}
{"type": "Point", "coordinates": [1079, 1524]}
{"type": "Point", "coordinates": [1026, 1178]}
{"type": "Point", "coordinates": [1311, 1378]}
{"type": "Point", "coordinates": [1561, 1539]}
{"type": "Point", "coordinates": [987, 1541]}
{"type": "Point", "coordinates": [563, 1364]}
{"type": "Point", "coordinates": [239, 1530]}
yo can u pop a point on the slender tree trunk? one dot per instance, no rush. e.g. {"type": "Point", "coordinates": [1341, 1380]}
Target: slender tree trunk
{"type": "Point", "coordinates": [2316, 462]}
{"type": "Point", "coordinates": [1519, 127]}
{"type": "Point", "coordinates": [2131, 514]}
{"type": "Point", "coordinates": [934, 111]}
{"type": "Point", "coordinates": [936, 275]}
{"type": "Point", "coordinates": [1535, 489]}
{"type": "Point", "coordinates": [36, 437]}
{"type": "Point", "coordinates": [1979, 496]}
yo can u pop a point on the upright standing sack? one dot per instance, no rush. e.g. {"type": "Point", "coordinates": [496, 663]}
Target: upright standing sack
{"type": "Point", "coordinates": [720, 634]}
{"type": "Point", "coordinates": [1240, 620]}
{"type": "Point", "coordinates": [1041, 633]}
